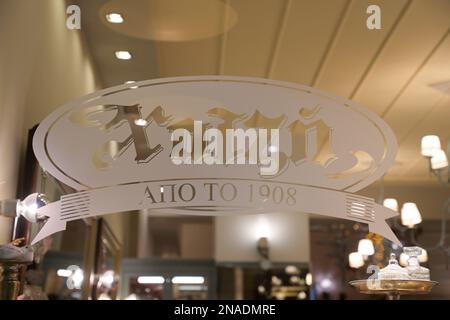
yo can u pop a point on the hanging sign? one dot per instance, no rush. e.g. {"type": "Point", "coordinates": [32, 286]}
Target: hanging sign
{"type": "Point", "coordinates": [215, 145]}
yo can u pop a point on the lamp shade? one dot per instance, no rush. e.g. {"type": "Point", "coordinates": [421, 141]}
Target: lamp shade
{"type": "Point", "coordinates": [410, 214]}
{"type": "Point", "coordinates": [430, 144]}
{"type": "Point", "coordinates": [355, 260]}
{"type": "Point", "coordinates": [391, 203]}
{"type": "Point", "coordinates": [365, 247]}
{"type": "Point", "coordinates": [308, 279]}
{"type": "Point", "coordinates": [439, 160]}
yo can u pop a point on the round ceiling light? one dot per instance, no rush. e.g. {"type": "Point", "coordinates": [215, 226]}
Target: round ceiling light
{"type": "Point", "coordinates": [171, 20]}
{"type": "Point", "coordinates": [123, 55]}
{"type": "Point", "coordinates": [114, 17]}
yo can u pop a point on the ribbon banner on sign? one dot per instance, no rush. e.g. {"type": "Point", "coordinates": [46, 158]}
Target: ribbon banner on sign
{"type": "Point", "coordinates": [215, 145]}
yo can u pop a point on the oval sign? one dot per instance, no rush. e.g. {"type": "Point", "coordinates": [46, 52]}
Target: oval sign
{"type": "Point", "coordinates": [215, 144]}
{"type": "Point", "coordinates": [325, 141]}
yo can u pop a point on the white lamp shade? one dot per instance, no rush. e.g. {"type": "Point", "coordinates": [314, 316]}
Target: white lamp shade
{"type": "Point", "coordinates": [410, 214]}
{"type": "Point", "coordinates": [391, 203]}
{"type": "Point", "coordinates": [365, 247]}
{"type": "Point", "coordinates": [430, 144]}
{"type": "Point", "coordinates": [439, 160]}
{"type": "Point", "coordinates": [355, 260]}
{"type": "Point", "coordinates": [403, 259]}
{"type": "Point", "coordinates": [423, 256]}
{"type": "Point", "coordinates": [308, 279]}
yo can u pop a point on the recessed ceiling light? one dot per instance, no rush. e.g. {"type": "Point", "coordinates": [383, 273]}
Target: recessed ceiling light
{"type": "Point", "coordinates": [140, 122]}
{"type": "Point", "coordinates": [123, 55]}
{"type": "Point", "coordinates": [114, 17]}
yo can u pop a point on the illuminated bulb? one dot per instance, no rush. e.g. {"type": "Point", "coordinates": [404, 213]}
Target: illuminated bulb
{"type": "Point", "coordinates": [262, 228]}
{"type": "Point", "coordinates": [391, 203]}
{"type": "Point", "coordinates": [439, 160]}
{"type": "Point", "coordinates": [430, 144]}
{"type": "Point", "coordinates": [365, 247]}
{"type": "Point", "coordinates": [308, 279]}
{"type": "Point", "coordinates": [140, 122]}
{"type": "Point", "coordinates": [123, 55]}
{"type": "Point", "coordinates": [410, 214]}
{"type": "Point", "coordinates": [291, 270]}
{"type": "Point", "coordinates": [107, 278]}
{"type": "Point", "coordinates": [294, 279]}
{"type": "Point", "coordinates": [76, 277]}
{"type": "Point", "coordinates": [276, 281]}
{"type": "Point", "coordinates": [114, 17]}
{"type": "Point", "coordinates": [355, 260]}
{"type": "Point", "coordinates": [326, 283]}
{"type": "Point", "coordinates": [273, 148]}
{"type": "Point", "coordinates": [64, 273]}
{"type": "Point", "coordinates": [188, 280]}
{"type": "Point", "coordinates": [150, 280]}
{"type": "Point", "coordinates": [302, 295]}
{"type": "Point", "coordinates": [28, 208]}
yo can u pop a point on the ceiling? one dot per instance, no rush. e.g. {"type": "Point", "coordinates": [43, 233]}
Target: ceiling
{"type": "Point", "coordinates": [321, 43]}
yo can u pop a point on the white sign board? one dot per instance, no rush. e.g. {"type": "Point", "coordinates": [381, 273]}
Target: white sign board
{"type": "Point", "coordinates": [215, 145]}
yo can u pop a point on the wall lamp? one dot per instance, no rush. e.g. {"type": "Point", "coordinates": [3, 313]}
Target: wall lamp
{"type": "Point", "coordinates": [28, 208]}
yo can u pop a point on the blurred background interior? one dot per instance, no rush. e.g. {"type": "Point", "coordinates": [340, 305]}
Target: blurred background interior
{"type": "Point", "coordinates": [401, 72]}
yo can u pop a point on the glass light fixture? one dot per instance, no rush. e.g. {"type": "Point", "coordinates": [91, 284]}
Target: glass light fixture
{"type": "Point", "coordinates": [410, 214]}
{"type": "Point", "coordinates": [291, 269]}
{"type": "Point", "coordinates": [301, 295]}
{"type": "Point", "coordinates": [188, 280]}
{"type": "Point", "coordinates": [75, 280]}
{"type": "Point", "coordinates": [150, 280]}
{"type": "Point", "coordinates": [107, 278]}
{"type": "Point", "coordinates": [365, 247]}
{"type": "Point", "coordinates": [430, 144]}
{"type": "Point", "coordinates": [439, 160]}
{"type": "Point", "coordinates": [261, 289]}
{"type": "Point", "coordinates": [262, 228]}
{"type": "Point", "coordinates": [355, 260]}
{"type": "Point", "coordinates": [123, 55]}
{"type": "Point", "coordinates": [28, 208]}
{"type": "Point", "coordinates": [391, 203]}
{"type": "Point", "coordinates": [64, 273]}
{"type": "Point", "coordinates": [308, 279]}
{"type": "Point", "coordinates": [114, 17]}
{"type": "Point", "coordinates": [326, 283]}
